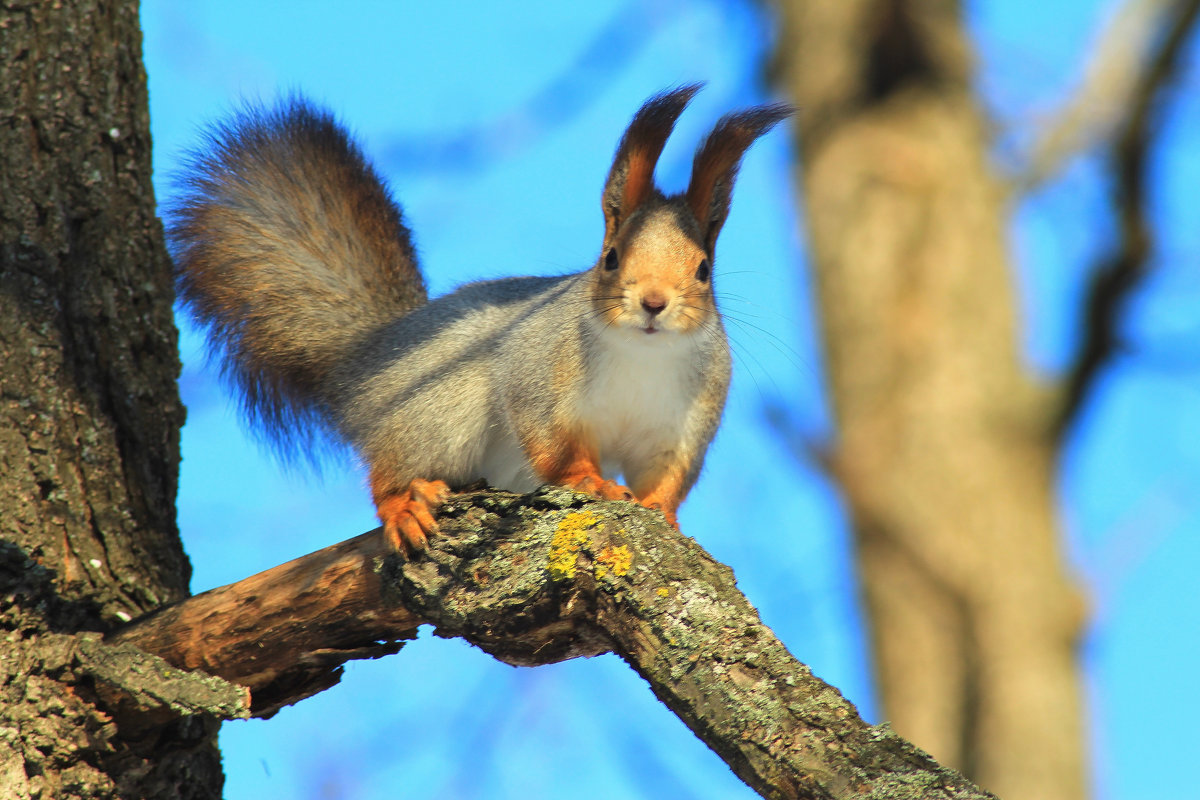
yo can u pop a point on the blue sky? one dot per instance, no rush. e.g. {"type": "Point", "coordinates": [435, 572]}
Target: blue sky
{"type": "Point", "coordinates": [553, 85]}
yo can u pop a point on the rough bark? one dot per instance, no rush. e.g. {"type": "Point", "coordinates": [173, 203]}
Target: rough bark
{"type": "Point", "coordinates": [89, 421]}
{"type": "Point", "coordinates": [944, 444]}
{"type": "Point", "coordinates": [551, 576]}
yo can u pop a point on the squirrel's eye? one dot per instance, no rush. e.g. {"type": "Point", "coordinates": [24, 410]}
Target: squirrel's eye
{"type": "Point", "coordinates": [703, 270]}
{"type": "Point", "coordinates": [610, 260]}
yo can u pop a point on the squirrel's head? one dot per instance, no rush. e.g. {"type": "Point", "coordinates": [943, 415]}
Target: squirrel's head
{"type": "Point", "coordinates": [655, 270]}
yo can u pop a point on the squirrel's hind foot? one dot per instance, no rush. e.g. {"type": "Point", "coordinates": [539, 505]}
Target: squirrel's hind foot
{"type": "Point", "coordinates": [408, 516]}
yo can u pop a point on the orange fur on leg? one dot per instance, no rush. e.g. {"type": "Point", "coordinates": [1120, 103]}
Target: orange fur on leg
{"type": "Point", "coordinates": [571, 462]}
{"type": "Point", "coordinates": [407, 515]}
{"type": "Point", "coordinates": [664, 493]}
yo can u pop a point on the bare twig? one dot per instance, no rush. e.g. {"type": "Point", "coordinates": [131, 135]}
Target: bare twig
{"type": "Point", "coordinates": [1120, 271]}
{"type": "Point", "coordinates": [1114, 73]}
{"type": "Point", "coordinates": [556, 103]}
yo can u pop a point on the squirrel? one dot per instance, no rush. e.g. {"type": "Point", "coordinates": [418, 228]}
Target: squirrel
{"type": "Point", "coordinates": [289, 249]}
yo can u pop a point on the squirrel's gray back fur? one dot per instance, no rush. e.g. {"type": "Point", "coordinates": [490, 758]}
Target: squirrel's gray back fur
{"type": "Point", "coordinates": [431, 376]}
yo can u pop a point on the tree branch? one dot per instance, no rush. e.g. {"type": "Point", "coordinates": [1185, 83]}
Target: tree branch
{"type": "Point", "coordinates": [542, 578]}
{"type": "Point", "coordinates": [1123, 269]}
{"type": "Point", "coordinates": [1114, 73]}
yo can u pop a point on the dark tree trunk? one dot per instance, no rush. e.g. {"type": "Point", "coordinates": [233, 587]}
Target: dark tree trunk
{"type": "Point", "coordinates": [89, 413]}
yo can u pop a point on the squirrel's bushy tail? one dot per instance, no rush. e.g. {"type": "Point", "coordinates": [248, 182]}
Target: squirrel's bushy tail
{"type": "Point", "coordinates": [288, 247]}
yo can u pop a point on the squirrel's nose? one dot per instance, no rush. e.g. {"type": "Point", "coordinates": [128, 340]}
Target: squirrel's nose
{"type": "Point", "coordinates": [654, 303]}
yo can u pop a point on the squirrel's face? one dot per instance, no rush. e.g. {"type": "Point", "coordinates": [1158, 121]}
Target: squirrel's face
{"type": "Point", "coordinates": [654, 277]}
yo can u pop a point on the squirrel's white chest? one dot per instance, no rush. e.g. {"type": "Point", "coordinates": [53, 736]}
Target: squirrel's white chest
{"type": "Point", "coordinates": [637, 400]}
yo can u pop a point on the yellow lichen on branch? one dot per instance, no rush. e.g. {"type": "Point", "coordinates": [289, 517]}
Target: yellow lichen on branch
{"type": "Point", "coordinates": [618, 559]}
{"type": "Point", "coordinates": [569, 539]}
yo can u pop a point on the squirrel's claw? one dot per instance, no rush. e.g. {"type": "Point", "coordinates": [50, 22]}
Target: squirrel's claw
{"type": "Point", "coordinates": [408, 516]}
{"type": "Point", "coordinates": [599, 487]}
{"type": "Point", "coordinates": [611, 490]}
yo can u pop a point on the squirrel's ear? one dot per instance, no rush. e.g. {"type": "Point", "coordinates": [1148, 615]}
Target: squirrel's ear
{"type": "Point", "coordinates": [717, 161]}
{"type": "Point", "coordinates": [631, 179]}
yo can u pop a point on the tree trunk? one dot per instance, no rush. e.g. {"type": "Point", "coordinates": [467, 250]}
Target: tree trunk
{"type": "Point", "coordinates": [89, 416]}
{"type": "Point", "coordinates": [945, 446]}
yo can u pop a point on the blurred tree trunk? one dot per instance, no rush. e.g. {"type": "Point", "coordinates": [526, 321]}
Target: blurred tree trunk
{"type": "Point", "coordinates": [945, 446]}
{"type": "Point", "coordinates": [89, 411]}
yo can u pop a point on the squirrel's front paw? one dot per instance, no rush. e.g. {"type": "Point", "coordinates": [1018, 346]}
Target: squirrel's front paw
{"type": "Point", "coordinates": [407, 516]}
{"type": "Point", "coordinates": [599, 487]}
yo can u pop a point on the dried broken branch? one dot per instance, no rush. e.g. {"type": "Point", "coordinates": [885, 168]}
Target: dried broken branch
{"type": "Point", "coordinates": [543, 578]}
{"type": "Point", "coordinates": [285, 632]}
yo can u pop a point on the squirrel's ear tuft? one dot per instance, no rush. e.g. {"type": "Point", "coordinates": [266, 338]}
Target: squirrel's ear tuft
{"type": "Point", "coordinates": [716, 165]}
{"type": "Point", "coordinates": [631, 179]}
